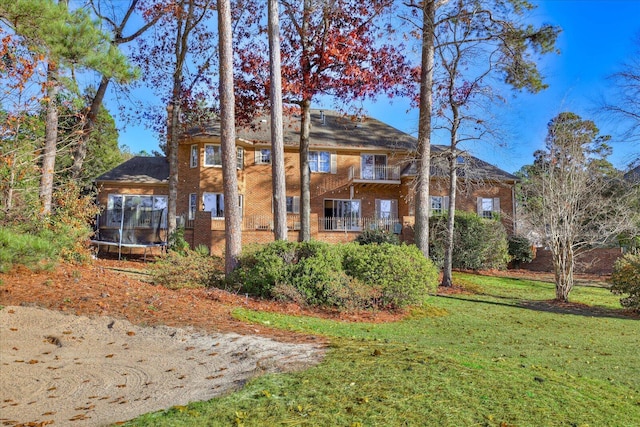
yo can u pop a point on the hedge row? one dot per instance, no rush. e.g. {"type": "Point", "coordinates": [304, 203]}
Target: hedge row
{"type": "Point", "coordinates": [343, 276]}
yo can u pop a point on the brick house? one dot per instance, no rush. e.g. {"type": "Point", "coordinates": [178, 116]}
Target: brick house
{"type": "Point", "coordinates": [362, 177]}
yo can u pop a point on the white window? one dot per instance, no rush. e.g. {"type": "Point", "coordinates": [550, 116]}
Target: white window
{"type": "Point", "coordinates": [193, 162]}
{"type": "Point", "coordinates": [386, 209]}
{"type": "Point", "coordinates": [263, 156]}
{"type": "Point", "coordinates": [193, 201]}
{"type": "Point", "coordinates": [342, 214]}
{"type": "Point", "coordinates": [136, 211]}
{"type": "Point", "coordinates": [439, 204]}
{"type": "Point", "coordinates": [374, 166]}
{"type": "Point", "coordinates": [212, 155]}
{"type": "Point", "coordinates": [240, 158]}
{"type": "Point", "coordinates": [293, 204]}
{"type": "Point", "coordinates": [321, 161]}
{"type": "Point", "coordinates": [488, 206]}
{"type": "Point", "coordinates": [214, 203]}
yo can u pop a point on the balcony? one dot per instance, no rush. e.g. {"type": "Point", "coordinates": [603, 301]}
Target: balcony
{"type": "Point", "coordinates": [375, 174]}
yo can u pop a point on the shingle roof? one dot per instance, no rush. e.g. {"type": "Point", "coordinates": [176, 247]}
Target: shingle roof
{"type": "Point", "coordinates": [144, 170]}
{"type": "Point", "coordinates": [472, 168]}
{"type": "Point", "coordinates": [328, 129]}
{"type": "Point", "coordinates": [633, 175]}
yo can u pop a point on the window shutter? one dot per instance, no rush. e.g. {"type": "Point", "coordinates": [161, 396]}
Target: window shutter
{"type": "Point", "coordinates": [377, 214]}
{"type": "Point", "coordinates": [479, 205]}
{"type": "Point", "coordinates": [334, 163]}
{"type": "Point", "coordinates": [296, 204]}
{"type": "Point", "coordinates": [445, 204]}
{"type": "Point", "coordinates": [257, 158]}
{"type": "Point", "coordinates": [394, 209]}
{"type": "Point", "coordinates": [496, 204]}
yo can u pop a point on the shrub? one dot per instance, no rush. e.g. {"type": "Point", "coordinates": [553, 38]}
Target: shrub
{"type": "Point", "coordinates": [520, 250]}
{"type": "Point", "coordinates": [401, 274]}
{"type": "Point", "coordinates": [33, 251]}
{"type": "Point", "coordinates": [176, 241]}
{"type": "Point", "coordinates": [479, 243]}
{"type": "Point", "coordinates": [377, 236]}
{"type": "Point", "coordinates": [348, 276]}
{"type": "Point", "coordinates": [316, 272]}
{"type": "Point", "coordinates": [261, 267]}
{"type": "Point", "coordinates": [70, 221]}
{"type": "Point", "coordinates": [188, 269]}
{"type": "Point", "coordinates": [626, 280]}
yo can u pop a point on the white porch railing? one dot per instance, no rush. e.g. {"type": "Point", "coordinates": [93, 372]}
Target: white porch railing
{"type": "Point", "coordinates": [359, 224]}
{"type": "Point", "coordinates": [375, 173]}
{"type": "Point", "coordinates": [354, 224]}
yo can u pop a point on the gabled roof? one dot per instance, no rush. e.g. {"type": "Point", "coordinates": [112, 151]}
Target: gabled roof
{"type": "Point", "coordinates": [471, 167]}
{"type": "Point", "coordinates": [328, 129]}
{"type": "Point", "coordinates": [139, 170]}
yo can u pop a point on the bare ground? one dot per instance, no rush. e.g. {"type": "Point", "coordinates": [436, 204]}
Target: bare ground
{"type": "Point", "coordinates": [94, 345]}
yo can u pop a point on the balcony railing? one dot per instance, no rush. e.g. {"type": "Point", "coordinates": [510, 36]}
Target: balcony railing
{"type": "Point", "coordinates": [353, 224]}
{"type": "Point", "coordinates": [390, 225]}
{"type": "Point", "coordinates": [375, 173]}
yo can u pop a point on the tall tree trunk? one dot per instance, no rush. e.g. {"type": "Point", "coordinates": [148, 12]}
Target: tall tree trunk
{"type": "Point", "coordinates": [172, 156]}
{"type": "Point", "coordinates": [423, 157]}
{"type": "Point", "coordinates": [305, 125]}
{"type": "Point", "coordinates": [563, 263]}
{"type": "Point", "coordinates": [305, 173]}
{"type": "Point", "coordinates": [50, 141]}
{"type": "Point", "coordinates": [447, 279]}
{"type": "Point", "coordinates": [233, 244]}
{"type": "Point", "coordinates": [277, 141]}
{"type": "Point", "coordinates": [80, 152]}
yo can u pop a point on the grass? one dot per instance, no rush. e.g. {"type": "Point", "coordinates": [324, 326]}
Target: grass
{"type": "Point", "coordinates": [491, 358]}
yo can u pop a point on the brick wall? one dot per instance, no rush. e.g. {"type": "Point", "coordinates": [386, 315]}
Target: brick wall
{"type": "Point", "coordinates": [254, 183]}
{"type": "Point", "coordinates": [598, 261]}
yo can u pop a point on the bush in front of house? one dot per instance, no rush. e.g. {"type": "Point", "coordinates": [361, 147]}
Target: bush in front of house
{"type": "Point", "coordinates": [187, 269]}
{"type": "Point", "coordinates": [626, 280]}
{"type": "Point", "coordinates": [368, 237]}
{"type": "Point", "coordinates": [261, 267]}
{"type": "Point", "coordinates": [520, 250]}
{"type": "Point", "coordinates": [400, 273]}
{"type": "Point", "coordinates": [341, 276]}
{"type": "Point", "coordinates": [479, 243]}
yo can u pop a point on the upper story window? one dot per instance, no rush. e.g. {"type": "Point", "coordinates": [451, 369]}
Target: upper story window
{"type": "Point", "coordinates": [193, 161]}
{"type": "Point", "coordinates": [212, 155]}
{"type": "Point", "coordinates": [263, 156]}
{"type": "Point", "coordinates": [488, 206]}
{"type": "Point", "coordinates": [374, 166]}
{"type": "Point", "coordinates": [320, 161]}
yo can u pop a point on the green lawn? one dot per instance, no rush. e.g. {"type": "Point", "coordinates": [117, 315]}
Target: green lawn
{"type": "Point", "coordinates": [497, 357]}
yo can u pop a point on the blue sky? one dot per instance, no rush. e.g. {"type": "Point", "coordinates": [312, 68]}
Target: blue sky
{"type": "Point", "coordinates": [597, 36]}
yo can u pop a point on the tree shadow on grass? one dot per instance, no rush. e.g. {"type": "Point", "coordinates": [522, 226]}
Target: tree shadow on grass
{"type": "Point", "coordinates": [551, 306]}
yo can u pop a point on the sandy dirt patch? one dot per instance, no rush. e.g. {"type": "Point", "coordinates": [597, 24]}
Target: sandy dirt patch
{"type": "Point", "coordinates": [64, 369]}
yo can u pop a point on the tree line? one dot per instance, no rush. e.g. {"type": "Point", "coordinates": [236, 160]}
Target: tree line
{"type": "Point", "coordinates": [229, 60]}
